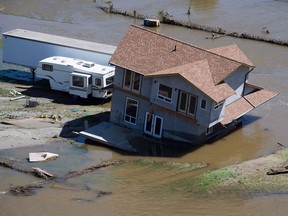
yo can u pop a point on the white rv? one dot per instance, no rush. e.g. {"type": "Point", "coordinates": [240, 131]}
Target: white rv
{"type": "Point", "coordinates": [76, 76]}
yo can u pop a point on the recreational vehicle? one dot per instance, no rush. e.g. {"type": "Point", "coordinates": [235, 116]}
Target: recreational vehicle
{"type": "Point", "coordinates": [76, 76]}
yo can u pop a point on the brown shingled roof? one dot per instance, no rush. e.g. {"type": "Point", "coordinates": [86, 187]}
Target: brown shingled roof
{"type": "Point", "coordinates": [198, 73]}
{"type": "Point", "coordinates": [259, 97]}
{"type": "Point", "coordinates": [246, 104]}
{"type": "Point", "coordinates": [147, 52]}
{"type": "Point", "coordinates": [233, 52]}
{"type": "Point", "coordinates": [235, 110]}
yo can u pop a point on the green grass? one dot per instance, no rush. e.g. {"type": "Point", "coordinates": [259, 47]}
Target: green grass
{"type": "Point", "coordinates": [1, 43]}
{"type": "Point", "coordinates": [203, 183]}
{"type": "Point", "coordinates": [5, 92]}
{"type": "Point", "coordinates": [170, 165]}
{"type": "Point", "coordinates": [210, 180]}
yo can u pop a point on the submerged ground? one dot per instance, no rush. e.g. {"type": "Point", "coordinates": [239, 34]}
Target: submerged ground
{"type": "Point", "coordinates": [55, 116]}
{"type": "Point", "coordinates": [147, 188]}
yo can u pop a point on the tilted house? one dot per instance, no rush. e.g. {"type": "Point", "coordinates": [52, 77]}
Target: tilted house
{"type": "Point", "coordinates": [170, 89]}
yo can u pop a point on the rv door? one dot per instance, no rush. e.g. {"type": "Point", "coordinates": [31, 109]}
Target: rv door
{"type": "Point", "coordinates": [80, 84]}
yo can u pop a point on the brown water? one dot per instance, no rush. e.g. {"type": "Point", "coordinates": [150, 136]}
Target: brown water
{"type": "Point", "coordinates": [146, 191]}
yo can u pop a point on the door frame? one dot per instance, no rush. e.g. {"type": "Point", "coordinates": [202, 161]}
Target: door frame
{"type": "Point", "coordinates": [151, 121]}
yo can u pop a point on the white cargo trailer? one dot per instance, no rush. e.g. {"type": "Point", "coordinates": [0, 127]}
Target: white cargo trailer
{"type": "Point", "coordinates": [27, 48]}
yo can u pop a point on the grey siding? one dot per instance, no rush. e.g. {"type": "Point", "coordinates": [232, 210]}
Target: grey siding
{"type": "Point", "coordinates": [118, 110]}
{"type": "Point", "coordinates": [118, 78]}
{"type": "Point", "coordinates": [236, 81]}
{"type": "Point", "coordinates": [179, 84]}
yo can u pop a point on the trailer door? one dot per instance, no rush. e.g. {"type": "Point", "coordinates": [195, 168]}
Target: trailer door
{"type": "Point", "coordinates": [80, 84]}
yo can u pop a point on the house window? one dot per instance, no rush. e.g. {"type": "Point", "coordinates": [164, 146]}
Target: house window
{"type": "Point", "coordinates": [47, 67]}
{"type": "Point", "coordinates": [78, 81]}
{"type": "Point", "coordinates": [131, 111]}
{"type": "Point", "coordinates": [203, 104]}
{"type": "Point", "coordinates": [217, 105]}
{"type": "Point", "coordinates": [187, 103]}
{"type": "Point", "coordinates": [209, 130]}
{"type": "Point", "coordinates": [132, 81]}
{"type": "Point", "coordinates": [165, 93]}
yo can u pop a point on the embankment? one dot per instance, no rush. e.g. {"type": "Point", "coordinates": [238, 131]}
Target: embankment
{"type": "Point", "coordinates": [216, 32]}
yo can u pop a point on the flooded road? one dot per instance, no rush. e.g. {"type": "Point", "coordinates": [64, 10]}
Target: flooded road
{"type": "Point", "coordinates": [146, 191]}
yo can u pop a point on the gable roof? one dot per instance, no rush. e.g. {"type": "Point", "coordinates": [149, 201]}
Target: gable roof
{"type": "Point", "coordinates": [153, 54]}
{"type": "Point", "coordinates": [233, 52]}
{"type": "Point", "coordinates": [147, 52]}
{"type": "Point", "coordinates": [198, 74]}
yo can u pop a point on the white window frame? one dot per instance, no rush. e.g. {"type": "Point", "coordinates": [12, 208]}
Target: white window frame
{"type": "Point", "coordinates": [203, 100]}
{"type": "Point", "coordinates": [128, 116]}
{"type": "Point", "coordinates": [132, 81]}
{"type": "Point", "coordinates": [163, 97]}
{"type": "Point", "coordinates": [187, 104]}
{"type": "Point", "coordinates": [209, 130]}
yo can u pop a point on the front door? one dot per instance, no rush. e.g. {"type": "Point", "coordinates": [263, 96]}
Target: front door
{"type": "Point", "coordinates": [153, 125]}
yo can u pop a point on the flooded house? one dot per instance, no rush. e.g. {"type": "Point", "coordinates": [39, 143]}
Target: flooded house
{"type": "Point", "coordinates": [172, 90]}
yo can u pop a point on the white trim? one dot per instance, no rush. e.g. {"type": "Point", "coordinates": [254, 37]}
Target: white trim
{"type": "Point", "coordinates": [209, 130]}
{"type": "Point", "coordinates": [131, 117]}
{"type": "Point", "coordinates": [162, 97]}
{"type": "Point", "coordinates": [189, 103]}
{"type": "Point", "coordinates": [153, 122]}
{"type": "Point", "coordinates": [132, 81]}
{"type": "Point", "coordinates": [205, 104]}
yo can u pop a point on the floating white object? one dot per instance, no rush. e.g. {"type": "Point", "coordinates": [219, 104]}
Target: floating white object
{"type": "Point", "coordinates": [42, 156]}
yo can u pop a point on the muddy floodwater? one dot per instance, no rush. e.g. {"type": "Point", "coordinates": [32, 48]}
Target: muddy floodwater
{"type": "Point", "coordinates": [146, 190]}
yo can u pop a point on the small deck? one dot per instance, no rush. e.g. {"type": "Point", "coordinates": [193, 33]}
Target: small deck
{"type": "Point", "coordinates": [133, 141]}
{"type": "Point", "coordinates": [112, 135]}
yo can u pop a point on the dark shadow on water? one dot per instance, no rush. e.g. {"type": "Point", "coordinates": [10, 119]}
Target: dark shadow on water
{"type": "Point", "coordinates": [80, 124]}
{"type": "Point", "coordinates": [249, 119]}
{"type": "Point", "coordinates": [148, 146]}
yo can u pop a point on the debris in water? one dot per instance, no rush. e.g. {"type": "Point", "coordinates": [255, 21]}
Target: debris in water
{"type": "Point", "coordinates": [42, 156]}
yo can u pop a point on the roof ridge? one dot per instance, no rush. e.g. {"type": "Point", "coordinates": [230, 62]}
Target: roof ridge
{"type": "Point", "coordinates": [174, 39]}
{"type": "Point", "coordinates": [191, 45]}
{"type": "Point", "coordinates": [209, 50]}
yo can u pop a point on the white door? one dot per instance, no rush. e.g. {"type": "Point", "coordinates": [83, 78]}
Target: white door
{"type": "Point", "coordinates": [153, 125]}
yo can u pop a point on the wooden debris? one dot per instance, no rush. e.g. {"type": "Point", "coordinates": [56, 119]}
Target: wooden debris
{"type": "Point", "coordinates": [27, 190]}
{"type": "Point", "coordinates": [277, 172]}
{"type": "Point", "coordinates": [92, 168]}
{"type": "Point", "coordinates": [42, 173]}
{"type": "Point", "coordinates": [17, 98]}
{"type": "Point", "coordinates": [280, 144]}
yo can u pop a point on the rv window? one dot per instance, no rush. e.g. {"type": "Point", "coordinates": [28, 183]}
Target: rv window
{"type": "Point", "coordinates": [109, 80]}
{"type": "Point", "coordinates": [47, 67]}
{"type": "Point", "coordinates": [78, 81]}
{"type": "Point", "coordinates": [98, 82]}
